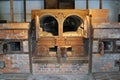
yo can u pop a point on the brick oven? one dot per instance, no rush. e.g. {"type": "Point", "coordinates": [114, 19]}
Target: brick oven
{"type": "Point", "coordinates": [61, 42]}
{"type": "Point", "coordinates": [14, 49]}
{"type": "Point", "coordinates": [59, 37]}
{"type": "Point", "coordinates": [106, 44]}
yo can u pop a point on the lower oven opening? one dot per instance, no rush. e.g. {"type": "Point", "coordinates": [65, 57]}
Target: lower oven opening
{"type": "Point", "coordinates": [53, 51]}
{"type": "Point", "coordinates": [69, 51]}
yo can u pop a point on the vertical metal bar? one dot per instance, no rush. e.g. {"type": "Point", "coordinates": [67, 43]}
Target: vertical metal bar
{"type": "Point", "coordinates": [100, 4]}
{"type": "Point", "coordinates": [58, 1]}
{"type": "Point", "coordinates": [87, 4]}
{"type": "Point", "coordinates": [90, 44]}
{"type": "Point", "coordinates": [73, 4]}
{"type": "Point", "coordinates": [30, 55]}
{"type": "Point", "coordinates": [30, 52]}
{"type": "Point", "coordinates": [44, 4]}
{"type": "Point", "coordinates": [24, 10]}
{"type": "Point", "coordinates": [11, 11]}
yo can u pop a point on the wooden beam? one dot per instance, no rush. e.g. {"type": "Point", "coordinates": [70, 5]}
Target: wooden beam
{"type": "Point", "coordinates": [11, 11]}
{"type": "Point", "coordinates": [87, 4]}
{"type": "Point", "coordinates": [24, 10]}
{"type": "Point", "coordinates": [100, 4]}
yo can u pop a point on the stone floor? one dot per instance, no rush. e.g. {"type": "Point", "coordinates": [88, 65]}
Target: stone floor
{"type": "Point", "coordinates": [94, 76]}
{"type": "Point", "coordinates": [106, 75]}
{"type": "Point", "coordinates": [59, 77]}
{"type": "Point", "coordinates": [43, 77]}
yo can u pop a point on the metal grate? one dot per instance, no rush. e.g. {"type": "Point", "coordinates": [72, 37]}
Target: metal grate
{"type": "Point", "coordinates": [107, 76]}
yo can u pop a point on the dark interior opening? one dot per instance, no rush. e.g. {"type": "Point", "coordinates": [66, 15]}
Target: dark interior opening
{"type": "Point", "coordinates": [5, 48]}
{"type": "Point", "coordinates": [53, 49]}
{"type": "Point", "coordinates": [49, 24]}
{"type": "Point", "coordinates": [118, 47]}
{"type": "Point", "coordinates": [14, 46]}
{"type": "Point", "coordinates": [69, 49]}
{"type": "Point", "coordinates": [3, 21]}
{"type": "Point", "coordinates": [72, 23]}
{"type": "Point", "coordinates": [118, 17]}
{"type": "Point", "coordinates": [107, 45]}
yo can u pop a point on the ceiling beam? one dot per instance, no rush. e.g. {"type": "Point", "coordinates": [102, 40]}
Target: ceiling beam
{"type": "Point", "coordinates": [87, 4]}
{"type": "Point", "coordinates": [24, 10]}
{"type": "Point", "coordinates": [100, 4]}
{"type": "Point", "coordinates": [11, 11]}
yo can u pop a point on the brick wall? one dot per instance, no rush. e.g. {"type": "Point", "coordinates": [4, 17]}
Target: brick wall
{"type": "Point", "coordinates": [106, 62]}
{"type": "Point", "coordinates": [99, 16]}
{"type": "Point", "coordinates": [64, 68]}
{"type": "Point", "coordinates": [107, 30]}
{"type": "Point", "coordinates": [13, 34]}
{"type": "Point", "coordinates": [16, 63]}
{"type": "Point", "coordinates": [14, 31]}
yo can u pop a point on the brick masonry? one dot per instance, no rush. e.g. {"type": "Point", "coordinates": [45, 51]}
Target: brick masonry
{"type": "Point", "coordinates": [99, 16]}
{"type": "Point", "coordinates": [14, 31]}
{"type": "Point", "coordinates": [19, 63]}
{"type": "Point", "coordinates": [105, 33]}
{"type": "Point", "coordinates": [16, 63]}
{"type": "Point", "coordinates": [64, 68]}
{"type": "Point", "coordinates": [108, 31]}
{"type": "Point", "coordinates": [105, 63]}
{"type": "Point", "coordinates": [13, 34]}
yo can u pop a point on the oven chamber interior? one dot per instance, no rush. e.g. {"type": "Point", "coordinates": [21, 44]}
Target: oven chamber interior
{"type": "Point", "coordinates": [72, 25]}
